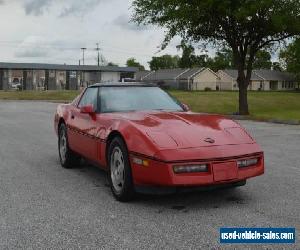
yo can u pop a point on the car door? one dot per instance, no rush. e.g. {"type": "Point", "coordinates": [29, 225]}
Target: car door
{"type": "Point", "coordinates": [84, 126]}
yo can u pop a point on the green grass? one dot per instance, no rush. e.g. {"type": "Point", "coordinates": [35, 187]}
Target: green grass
{"type": "Point", "coordinates": [39, 95]}
{"type": "Point", "coordinates": [263, 105]}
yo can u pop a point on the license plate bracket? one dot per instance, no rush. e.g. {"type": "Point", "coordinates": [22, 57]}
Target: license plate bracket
{"type": "Point", "coordinates": [225, 171]}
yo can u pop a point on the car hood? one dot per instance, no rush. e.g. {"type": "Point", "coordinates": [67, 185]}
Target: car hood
{"type": "Point", "coordinates": [188, 130]}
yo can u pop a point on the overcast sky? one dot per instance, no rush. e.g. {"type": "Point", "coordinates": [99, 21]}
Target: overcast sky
{"type": "Point", "coordinates": [53, 31]}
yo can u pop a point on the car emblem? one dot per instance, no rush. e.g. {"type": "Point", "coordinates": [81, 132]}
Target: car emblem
{"type": "Point", "coordinates": [209, 140]}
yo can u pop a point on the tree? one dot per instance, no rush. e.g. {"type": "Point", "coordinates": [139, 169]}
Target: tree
{"type": "Point", "coordinates": [291, 57]}
{"type": "Point", "coordinates": [276, 66]}
{"type": "Point", "coordinates": [222, 60]}
{"type": "Point", "coordinates": [112, 64]}
{"type": "Point", "coordinates": [164, 62]}
{"type": "Point", "coordinates": [131, 62]}
{"type": "Point", "coordinates": [262, 60]}
{"type": "Point", "coordinates": [245, 26]}
{"type": "Point", "coordinates": [201, 60]}
{"type": "Point", "coordinates": [188, 57]}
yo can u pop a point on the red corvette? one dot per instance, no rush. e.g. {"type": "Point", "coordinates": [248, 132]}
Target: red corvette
{"type": "Point", "coordinates": [148, 141]}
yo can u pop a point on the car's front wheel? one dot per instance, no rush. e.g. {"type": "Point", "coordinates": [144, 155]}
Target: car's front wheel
{"type": "Point", "coordinates": [68, 159]}
{"type": "Point", "coordinates": [120, 176]}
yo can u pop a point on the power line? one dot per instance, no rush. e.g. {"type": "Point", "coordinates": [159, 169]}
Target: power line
{"type": "Point", "coordinates": [126, 51]}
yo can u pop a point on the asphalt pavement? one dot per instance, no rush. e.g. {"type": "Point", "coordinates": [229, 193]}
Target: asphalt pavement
{"type": "Point", "coordinates": [45, 206]}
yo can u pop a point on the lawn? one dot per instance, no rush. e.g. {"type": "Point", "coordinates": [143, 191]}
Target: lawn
{"type": "Point", "coordinates": [263, 105]}
{"type": "Point", "coordinates": [38, 95]}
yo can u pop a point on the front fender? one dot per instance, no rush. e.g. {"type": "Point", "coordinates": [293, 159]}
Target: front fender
{"type": "Point", "coordinates": [136, 140]}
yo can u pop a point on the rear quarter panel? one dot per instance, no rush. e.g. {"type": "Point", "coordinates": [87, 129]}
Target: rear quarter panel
{"type": "Point", "coordinates": [63, 110]}
{"type": "Point", "coordinates": [62, 113]}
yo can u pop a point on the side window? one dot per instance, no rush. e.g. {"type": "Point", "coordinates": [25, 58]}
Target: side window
{"type": "Point", "coordinates": [89, 97]}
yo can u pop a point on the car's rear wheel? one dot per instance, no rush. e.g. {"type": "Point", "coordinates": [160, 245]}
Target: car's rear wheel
{"type": "Point", "coordinates": [68, 159]}
{"type": "Point", "coordinates": [120, 176]}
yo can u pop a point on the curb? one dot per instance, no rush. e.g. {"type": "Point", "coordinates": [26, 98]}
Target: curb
{"type": "Point", "coordinates": [275, 121]}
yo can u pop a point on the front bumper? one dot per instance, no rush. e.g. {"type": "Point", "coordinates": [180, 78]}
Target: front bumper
{"type": "Point", "coordinates": [161, 174]}
{"type": "Point", "coordinates": [165, 190]}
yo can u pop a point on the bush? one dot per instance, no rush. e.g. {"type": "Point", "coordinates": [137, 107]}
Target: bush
{"type": "Point", "coordinates": [207, 89]}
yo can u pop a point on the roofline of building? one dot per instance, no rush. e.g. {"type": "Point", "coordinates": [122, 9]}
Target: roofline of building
{"type": "Point", "coordinates": [233, 78]}
{"type": "Point", "coordinates": [187, 70]}
{"type": "Point", "coordinates": [210, 71]}
{"type": "Point", "coordinates": [259, 76]}
{"type": "Point", "coordinates": [44, 66]}
{"type": "Point", "coordinates": [149, 73]}
{"type": "Point", "coordinates": [195, 73]}
{"type": "Point", "coordinates": [254, 71]}
{"type": "Point", "coordinates": [224, 72]}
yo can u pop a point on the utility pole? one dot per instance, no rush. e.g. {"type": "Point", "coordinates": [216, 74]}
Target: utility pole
{"type": "Point", "coordinates": [98, 50]}
{"type": "Point", "coordinates": [83, 49]}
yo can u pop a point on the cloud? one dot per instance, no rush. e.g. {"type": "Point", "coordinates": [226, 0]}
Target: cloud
{"type": "Point", "coordinates": [67, 7]}
{"type": "Point", "coordinates": [58, 40]}
{"type": "Point", "coordinates": [36, 7]}
{"type": "Point", "coordinates": [31, 48]}
{"type": "Point", "coordinates": [31, 53]}
{"type": "Point", "coordinates": [80, 7]}
{"type": "Point", "coordinates": [38, 48]}
{"type": "Point", "coordinates": [123, 21]}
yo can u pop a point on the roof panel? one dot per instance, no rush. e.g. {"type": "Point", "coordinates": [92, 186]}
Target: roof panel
{"type": "Point", "coordinates": [127, 84]}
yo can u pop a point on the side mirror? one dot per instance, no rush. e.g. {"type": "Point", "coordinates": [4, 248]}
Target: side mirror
{"type": "Point", "coordinates": [87, 109]}
{"type": "Point", "coordinates": [185, 107]}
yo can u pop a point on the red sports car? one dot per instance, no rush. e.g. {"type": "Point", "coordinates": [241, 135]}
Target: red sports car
{"type": "Point", "coordinates": [149, 141]}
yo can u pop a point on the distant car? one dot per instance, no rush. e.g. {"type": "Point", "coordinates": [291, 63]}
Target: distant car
{"type": "Point", "coordinates": [148, 141]}
{"type": "Point", "coordinates": [15, 86]}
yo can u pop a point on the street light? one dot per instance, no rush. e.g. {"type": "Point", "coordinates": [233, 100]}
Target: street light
{"type": "Point", "coordinates": [83, 49]}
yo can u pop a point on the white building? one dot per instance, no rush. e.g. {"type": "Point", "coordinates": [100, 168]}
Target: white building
{"type": "Point", "coordinates": [186, 79]}
{"type": "Point", "coordinates": [34, 76]}
{"type": "Point", "coordinates": [260, 80]}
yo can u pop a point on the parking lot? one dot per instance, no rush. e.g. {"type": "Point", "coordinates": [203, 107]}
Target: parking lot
{"type": "Point", "coordinates": [45, 206]}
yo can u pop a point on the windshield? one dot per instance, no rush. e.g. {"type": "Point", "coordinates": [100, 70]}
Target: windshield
{"type": "Point", "coordinates": [122, 99]}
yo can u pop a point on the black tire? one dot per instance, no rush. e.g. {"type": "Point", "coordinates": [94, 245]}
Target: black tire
{"type": "Point", "coordinates": [68, 159]}
{"type": "Point", "coordinates": [122, 191]}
